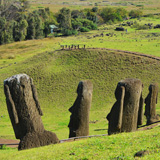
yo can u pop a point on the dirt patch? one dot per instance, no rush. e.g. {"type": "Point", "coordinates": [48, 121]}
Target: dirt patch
{"type": "Point", "coordinates": [9, 143]}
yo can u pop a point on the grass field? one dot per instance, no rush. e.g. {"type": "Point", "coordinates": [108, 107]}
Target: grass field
{"type": "Point", "coordinates": [56, 74]}
{"type": "Point", "coordinates": [122, 146]}
{"type": "Point", "coordinates": [147, 6]}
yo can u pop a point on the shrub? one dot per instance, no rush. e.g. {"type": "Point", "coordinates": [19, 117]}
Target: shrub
{"type": "Point", "coordinates": [68, 32]}
{"type": "Point", "coordinates": [84, 29]}
{"type": "Point", "coordinates": [140, 27]}
{"type": "Point", "coordinates": [135, 13]}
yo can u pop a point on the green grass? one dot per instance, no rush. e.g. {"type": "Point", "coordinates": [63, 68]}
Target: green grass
{"type": "Point", "coordinates": [121, 146]}
{"type": "Point", "coordinates": [147, 6]}
{"type": "Point", "coordinates": [56, 74]}
{"type": "Point", "coordinates": [143, 41]}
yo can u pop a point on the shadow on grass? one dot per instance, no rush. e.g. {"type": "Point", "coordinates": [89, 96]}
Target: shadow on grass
{"type": "Point", "coordinates": [100, 129]}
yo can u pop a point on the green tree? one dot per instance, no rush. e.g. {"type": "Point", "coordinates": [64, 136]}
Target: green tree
{"type": "Point", "coordinates": [2, 29]}
{"type": "Point", "coordinates": [39, 26]}
{"type": "Point", "coordinates": [49, 20]}
{"type": "Point", "coordinates": [35, 26]}
{"type": "Point", "coordinates": [20, 30]}
{"type": "Point", "coordinates": [31, 30]}
{"type": "Point", "coordinates": [6, 31]}
{"type": "Point", "coordinates": [135, 13]}
{"type": "Point", "coordinates": [76, 24]}
{"type": "Point", "coordinates": [64, 18]}
{"type": "Point", "coordinates": [113, 14]}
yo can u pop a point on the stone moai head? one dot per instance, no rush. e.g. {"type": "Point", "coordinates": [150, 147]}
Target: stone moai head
{"type": "Point", "coordinates": [127, 111]}
{"type": "Point", "coordinates": [151, 101]}
{"type": "Point", "coordinates": [23, 107]}
{"type": "Point", "coordinates": [79, 119]}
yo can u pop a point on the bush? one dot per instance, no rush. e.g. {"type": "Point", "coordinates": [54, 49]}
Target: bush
{"type": "Point", "coordinates": [93, 26]}
{"type": "Point", "coordinates": [113, 14]}
{"type": "Point", "coordinates": [140, 27]}
{"type": "Point", "coordinates": [135, 13]}
{"type": "Point", "coordinates": [84, 29]}
{"type": "Point", "coordinates": [69, 32]}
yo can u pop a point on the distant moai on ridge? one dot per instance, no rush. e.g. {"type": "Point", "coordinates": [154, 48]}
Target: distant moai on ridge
{"type": "Point", "coordinates": [151, 101]}
{"type": "Point", "coordinates": [79, 119]}
{"type": "Point", "coordinates": [127, 112]}
{"type": "Point", "coordinates": [25, 113]}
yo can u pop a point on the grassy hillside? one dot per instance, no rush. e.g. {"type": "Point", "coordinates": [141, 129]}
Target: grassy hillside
{"type": "Point", "coordinates": [121, 147]}
{"type": "Point", "coordinates": [56, 75]}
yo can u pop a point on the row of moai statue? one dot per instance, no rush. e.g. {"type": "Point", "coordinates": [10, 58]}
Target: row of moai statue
{"type": "Point", "coordinates": [127, 112]}
{"type": "Point", "coordinates": [25, 112]}
{"type": "Point", "coordinates": [72, 47]}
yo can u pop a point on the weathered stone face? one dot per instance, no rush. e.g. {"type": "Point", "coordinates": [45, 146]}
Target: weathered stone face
{"type": "Point", "coordinates": [23, 106]}
{"type": "Point", "coordinates": [79, 119]}
{"type": "Point", "coordinates": [151, 101]}
{"type": "Point", "coordinates": [124, 115]}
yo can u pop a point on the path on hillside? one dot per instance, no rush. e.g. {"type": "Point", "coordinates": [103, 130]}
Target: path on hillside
{"type": "Point", "coordinates": [9, 143]}
{"type": "Point", "coordinates": [14, 143]}
{"type": "Point", "coordinates": [129, 52]}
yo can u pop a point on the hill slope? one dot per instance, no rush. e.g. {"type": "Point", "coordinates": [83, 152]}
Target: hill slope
{"type": "Point", "coordinates": [56, 76]}
{"type": "Point", "coordinates": [121, 146]}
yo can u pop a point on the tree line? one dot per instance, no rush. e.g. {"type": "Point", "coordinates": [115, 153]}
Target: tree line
{"type": "Point", "coordinates": [18, 23]}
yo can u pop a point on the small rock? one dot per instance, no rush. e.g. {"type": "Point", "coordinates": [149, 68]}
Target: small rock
{"type": "Point", "coordinates": [72, 153]}
{"type": "Point", "coordinates": [141, 153]}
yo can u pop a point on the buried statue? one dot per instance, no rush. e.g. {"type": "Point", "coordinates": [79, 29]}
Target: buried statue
{"type": "Point", "coordinates": [151, 101]}
{"type": "Point", "coordinates": [79, 119]}
{"type": "Point", "coordinates": [25, 113]}
{"type": "Point", "coordinates": [127, 111]}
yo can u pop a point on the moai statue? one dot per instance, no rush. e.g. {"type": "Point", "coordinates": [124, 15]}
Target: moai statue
{"type": "Point", "coordinates": [127, 111]}
{"type": "Point", "coordinates": [25, 113]}
{"type": "Point", "coordinates": [151, 101]}
{"type": "Point", "coordinates": [79, 119]}
{"type": "Point", "coordinates": [62, 47]}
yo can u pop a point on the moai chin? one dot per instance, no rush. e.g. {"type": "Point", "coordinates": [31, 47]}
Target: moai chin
{"type": "Point", "coordinates": [25, 113]}
{"type": "Point", "coordinates": [79, 119]}
{"type": "Point", "coordinates": [127, 111]}
{"type": "Point", "coordinates": [151, 101]}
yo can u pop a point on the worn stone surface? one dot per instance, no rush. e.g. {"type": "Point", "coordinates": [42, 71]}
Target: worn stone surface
{"type": "Point", "coordinates": [24, 110]}
{"type": "Point", "coordinates": [151, 101]}
{"type": "Point", "coordinates": [79, 119]}
{"type": "Point", "coordinates": [127, 111]}
{"type": "Point", "coordinates": [37, 139]}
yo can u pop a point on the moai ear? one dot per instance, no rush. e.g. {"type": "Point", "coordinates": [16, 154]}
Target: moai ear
{"type": "Point", "coordinates": [152, 96]}
{"type": "Point", "coordinates": [11, 103]}
{"type": "Point", "coordinates": [140, 111]}
{"type": "Point", "coordinates": [119, 125]}
{"type": "Point", "coordinates": [157, 98]}
{"type": "Point", "coordinates": [35, 97]}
